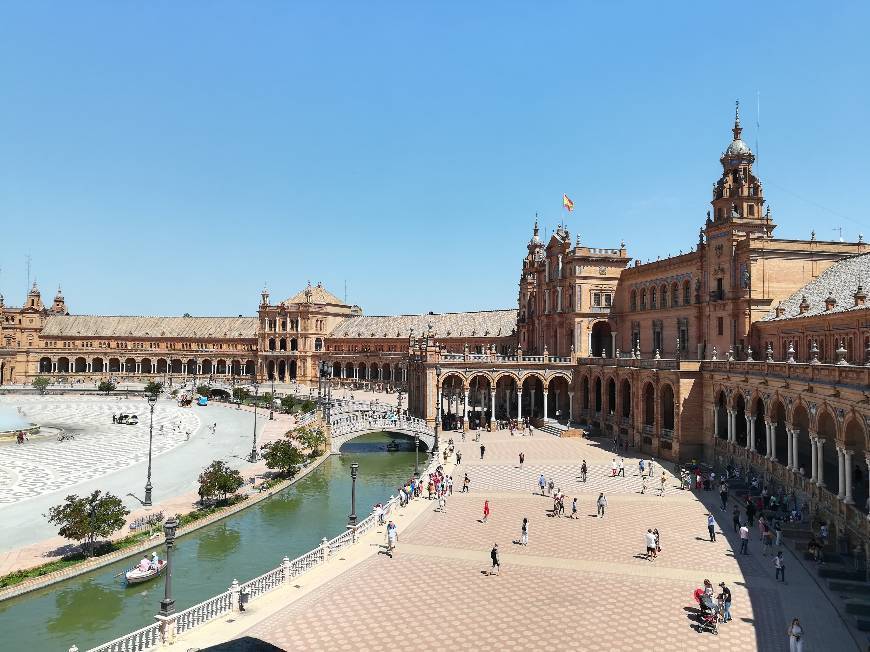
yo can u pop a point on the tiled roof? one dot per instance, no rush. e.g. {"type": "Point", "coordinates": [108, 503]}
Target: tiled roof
{"type": "Point", "coordinates": [840, 280]}
{"type": "Point", "coordinates": [206, 327]}
{"type": "Point", "coordinates": [318, 294]}
{"type": "Point", "coordinates": [484, 323]}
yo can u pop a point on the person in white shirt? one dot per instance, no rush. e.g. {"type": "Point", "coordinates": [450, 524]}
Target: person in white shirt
{"type": "Point", "coordinates": [650, 538]}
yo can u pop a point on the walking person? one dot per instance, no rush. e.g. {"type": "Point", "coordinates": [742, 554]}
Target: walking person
{"type": "Point", "coordinates": [723, 494]}
{"type": "Point", "coordinates": [650, 469]}
{"type": "Point", "coordinates": [795, 636]}
{"type": "Point", "coordinates": [779, 565]}
{"type": "Point", "coordinates": [662, 481]}
{"type": "Point", "coordinates": [725, 597]}
{"type": "Point", "coordinates": [735, 518]}
{"type": "Point", "coordinates": [482, 450]}
{"type": "Point", "coordinates": [613, 468]}
{"type": "Point", "coordinates": [465, 482]}
{"type": "Point", "coordinates": [496, 564]}
{"type": "Point", "coordinates": [458, 458]}
{"type": "Point", "coordinates": [522, 459]}
{"type": "Point", "coordinates": [640, 467]}
{"type": "Point", "coordinates": [550, 485]}
{"type": "Point", "coordinates": [650, 539]}
{"type": "Point", "coordinates": [744, 540]}
{"type": "Point", "coordinates": [621, 467]}
{"type": "Point", "coordinates": [711, 527]}
{"type": "Point", "coordinates": [583, 471]}
{"type": "Point", "coordinates": [574, 508]}
{"type": "Point", "coordinates": [392, 538]}
{"type": "Point", "coordinates": [524, 532]}
{"type": "Point", "coordinates": [643, 484]}
{"type": "Point", "coordinates": [542, 483]}
{"type": "Point", "coordinates": [485, 511]}
{"type": "Point", "coordinates": [601, 503]}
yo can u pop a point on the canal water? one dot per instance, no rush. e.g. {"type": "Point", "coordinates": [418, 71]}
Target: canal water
{"type": "Point", "coordinates": [97, 607]}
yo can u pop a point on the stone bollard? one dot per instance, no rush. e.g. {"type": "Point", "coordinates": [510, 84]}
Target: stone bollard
{"type": "Point", "coordinates": [168, 628]}
{"type": "Point", "coordinates": [285, 564]}
{"type": "Point", "coordinates": [324, 549]}
{"type": "Point", "coordinates": [234, 596]}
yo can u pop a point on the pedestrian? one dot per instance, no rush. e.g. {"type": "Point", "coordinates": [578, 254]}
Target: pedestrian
{"type": "Point", "coordinates": [458, 458]}
{"type": "Point", "coordinates": [613, 468]}
{"type": "Point", "coordinates": [795, 636]}
{"type": "Point", "coordinates": [601, 503]}
{"type": "Point", "coordinates": [711, 527]}
{"type": "Point", "coordinates": [550, 485]}
{"type": "Point", "coordinates": [767, 541]}
{"type": "Point", "coordinates": [650, 470]}
{"type": "Point", "coordinates": [640, 467]}
{"type": "Point", "coordinates": [650, 544]}
{"type": "Point", "coordinates": [392, 538]}
{"type": "Point", "coordinates": [465, 482]}
{"type": "Point", "coordinates": [823, 535]}
{"type": "Point", "coordinates": [662, 482]}
{"type": "Point", "coordinates": [723, 494]}
{"type": "Point", "coordinates": [777, 530]}
{"type": "Point", "coordinates": [496, 566]}
{"type": "Point", "coordinates": [485, 511]}
{"type": "Point", "coordinates": [643, 484]}
{"type": "Point", "coordinates": [542, 483]}
{"type": "Point", "coordinates": [735, 518]}
{"type": "Point", "coordinates": [725, 597]}
{"type": "Point", "coordinates": [658, 540]}
{"type": "Point", "coordinates": [744, 540]}
{"type": "Point", "coordinates": [621, 467]}
{"type": "Point", "coordinates": [442, 503]}
{"type": "Point", "coordinates": [482, 450]}
{"type": "Point", "coordinates": [583, 471]}
{"type": "Point", "coordinates": [574, 508]}
{"type": "Point", "coordinates": [779, 565]}
{"type": "Point", "coordinates": [522, 459]}
{"type": "Point", "coordinates": [524, 532]}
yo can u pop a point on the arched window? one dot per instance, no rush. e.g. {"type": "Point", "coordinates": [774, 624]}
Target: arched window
{"type": "Point", "coordinates": [663, 293]}
{"type": "Point", "coordinates": [652, 299]}
{"type": "Point", "coordinates": [751, 210]}
{"type": "Point", "coordinates": [687, 297]}
{"type": "Point", "coordinates": [643, 299]}
{"type": "Point", "coordinates": [633, 300]}
{"type": "Point", "coordinates": [675, 295]}
{"type": "Point", "coordinates": [318, 344]}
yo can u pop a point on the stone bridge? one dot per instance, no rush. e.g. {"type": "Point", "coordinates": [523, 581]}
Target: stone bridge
{"type": "Point", "coordinates": [355, 425]}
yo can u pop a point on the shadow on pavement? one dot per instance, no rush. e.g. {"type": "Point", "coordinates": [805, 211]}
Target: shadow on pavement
{"type": "Point", "coordinates": [244, 644]}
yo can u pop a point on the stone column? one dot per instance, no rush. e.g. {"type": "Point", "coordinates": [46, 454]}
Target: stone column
{"type": "Point", "coordinates": [814, 456]}
{"type": "Point", "coordinates": [841, 475]}
{"type": "Point", "coordinates": [520, 406]}
{"type": "Point", "coordinates": [139, 367]}
{"type": "Point", "coordinates": [715, 421]}
{"type": "Point", "coordinates": [465, 410]}
{"type": "Point", "coordinates": [820, 466]}
{"type": "Point", "coordinates": [750, 433]}
{"type": "Point", "coordinates": [730, 414]}
{"type": "Point", "coordinates": [545, 405]}
{"type": "Point", "coordinates": [771, 440]}
{"type": "Point", "coordinates": [790, 453]}
{"type": "Point", "coordinates": [492, 404]}
{"type": "Point", "coordinates": [570, 407]}
{"type": "Point", "coordinates": [613, 345]}
{"type": "Point", "coordinates": [848, 453]}
{"type": "Point", "coordinates": [531, 401]}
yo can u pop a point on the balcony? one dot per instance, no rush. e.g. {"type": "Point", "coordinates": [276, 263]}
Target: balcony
{"type": "Point", "coordinates": [717, 295]}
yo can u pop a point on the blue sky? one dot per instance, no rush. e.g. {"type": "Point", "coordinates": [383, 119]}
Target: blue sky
{"type": "Point", "coordinates": [171, 157]}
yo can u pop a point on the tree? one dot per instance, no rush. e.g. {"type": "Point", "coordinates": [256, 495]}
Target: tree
{"type": "Point", "coordinates": [240, 394]}
{"type": "Point", "coordinates": [288, 403]}
{"type": "Point", "coordinates": [153, 388]}
{"type": "Point", "coordinates": [106, 386]}
{"type": "Point", "coordinates": [314, 439]}
{"type": "Point", "coordinates": [282, 456]}
{"type": "Point", "coordinates": [218, 478]}
{"type": "Point", "coordinates": [88, 517]}
{"type": "Point", "coordinates": [203, 390]}
{"type": "Point", "coordinates": [221, 394]}
{"type": "Point", "coordinates": [307, 406]}
{"type": "Point", "coordinates": [41, 383]}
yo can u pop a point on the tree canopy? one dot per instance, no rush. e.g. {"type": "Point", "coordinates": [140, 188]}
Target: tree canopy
{"type": "Point", "coordinates": [219, 479]}
{"type": "Point", "coordinates": [282, 456]}
{"type": "Point", "coordinates": [314, 439]}
{"type": "Point", "coordinates": [83, 518]}
{"type": "Point", "coordinates": [153, 388]}
{"type": "Point", "coordinates": [106, 386]}
{"type": "Point", "coordinates": [41, 383]}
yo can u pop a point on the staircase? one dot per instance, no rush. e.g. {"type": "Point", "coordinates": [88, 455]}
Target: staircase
{"type": "Point", "coordinates": [552, 428]}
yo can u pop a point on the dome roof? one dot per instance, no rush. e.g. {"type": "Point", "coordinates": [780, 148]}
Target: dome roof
{"type": "Point", "coordinates": [738, 148]}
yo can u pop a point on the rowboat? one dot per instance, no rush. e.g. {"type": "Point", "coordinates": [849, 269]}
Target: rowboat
{"type": "Point", "coordinates": [136, 575]}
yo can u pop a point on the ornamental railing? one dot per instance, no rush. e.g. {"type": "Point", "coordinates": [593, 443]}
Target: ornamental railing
{"type": "Point", "coordinates": [199, 614]}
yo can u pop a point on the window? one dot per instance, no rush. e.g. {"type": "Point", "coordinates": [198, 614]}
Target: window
{"type": "Point", "coordinates": [643, 299]}
{"type": "Point", "coordinates": [687, 299]}
{"type": "Point", "coordinates": [652, 299]}
{"type": "Point", "coordinates": [608, 300]}
{"type": "Point", "coordinates": [632, 302]}
{"type": "Point", "coordinates": [720, 326]}
{"type": "Point", "coordinates": [596, 299]}
{"type": "Point", "coordinates": [675, 295]}
{"type": "Point", "coordinates": [751, 210]}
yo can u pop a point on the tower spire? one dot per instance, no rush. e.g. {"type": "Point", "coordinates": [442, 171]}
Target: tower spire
{"type": "Point", "coordinates": [737, 128]}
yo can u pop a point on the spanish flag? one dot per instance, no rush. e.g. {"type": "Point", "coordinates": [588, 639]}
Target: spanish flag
{"type": "Point", "coordinates": [567, 203]}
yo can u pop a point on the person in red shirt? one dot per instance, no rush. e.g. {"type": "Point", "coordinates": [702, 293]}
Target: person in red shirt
{"type": "Point", "coordinates": [485, 511]}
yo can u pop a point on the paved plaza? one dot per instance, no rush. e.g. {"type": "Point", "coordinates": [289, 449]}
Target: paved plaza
{"type": "Point", "coordinates": [580, 584]}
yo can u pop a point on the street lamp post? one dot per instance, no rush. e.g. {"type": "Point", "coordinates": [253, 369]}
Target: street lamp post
{"type": "Point", "coordinates": [399, 405]}
{"type": "Point", "coordinates": [351, 520]}
{"type": "Point", "coordinates": [167, 604]}
{"type": "Point", "coordinates": [152, 401]}
{"type": "Point", "coordinates": [253, 456]}
{"type": "Point", "coordinates": [416, 456]}
{"type": "Point", "coordinates": [272, 400]}
{"type": "Point", "coordinates": [438, 407]}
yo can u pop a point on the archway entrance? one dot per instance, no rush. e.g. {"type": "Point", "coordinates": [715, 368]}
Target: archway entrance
{"type": "Point", "coordinates": [600, 340]}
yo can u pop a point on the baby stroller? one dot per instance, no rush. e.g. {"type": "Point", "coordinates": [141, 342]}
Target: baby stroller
{"type": "Point", "coordinates": [708, 621]}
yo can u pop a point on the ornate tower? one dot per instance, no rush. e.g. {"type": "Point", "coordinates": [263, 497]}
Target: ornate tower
{"type": "Point", "coordinates": [59, 305]}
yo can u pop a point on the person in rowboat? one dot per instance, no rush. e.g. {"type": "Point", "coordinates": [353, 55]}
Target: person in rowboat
{"type": "Point", "coordinates": [155, 561]}
{"type": "Point", "coordinates": [145, 564]}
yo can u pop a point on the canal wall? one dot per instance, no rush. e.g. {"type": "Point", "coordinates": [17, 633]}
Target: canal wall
{"type": "Point", "coordinates": [36, 583]}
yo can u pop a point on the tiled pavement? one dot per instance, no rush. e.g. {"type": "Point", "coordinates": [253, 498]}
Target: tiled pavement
{"type": "Point", "coordinates": [579, 585]}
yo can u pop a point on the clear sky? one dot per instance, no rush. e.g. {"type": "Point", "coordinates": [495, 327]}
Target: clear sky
{"type": "Point", "coordinates": [171, 157]}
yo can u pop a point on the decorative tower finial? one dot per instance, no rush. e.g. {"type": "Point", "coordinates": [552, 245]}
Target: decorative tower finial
{"type": "Point", "coordinates": [737, 128]}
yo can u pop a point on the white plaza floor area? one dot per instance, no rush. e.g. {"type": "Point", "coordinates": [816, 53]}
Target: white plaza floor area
{"type": "Point", "coordinates": [111, 457]}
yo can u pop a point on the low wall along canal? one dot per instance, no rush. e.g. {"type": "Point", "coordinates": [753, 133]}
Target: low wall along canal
{"type": "Point", "coordinates": [96, 607]}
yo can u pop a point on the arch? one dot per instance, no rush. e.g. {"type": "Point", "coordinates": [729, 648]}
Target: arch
{"type": "Point", "coordinates": [282, 344]}
{"type": "Point", "coordinates": [611, 396]}
{"type": "Point", "coordinates": [506, 385]}
{"type": "Point", "coordinates": [161, 365]}
{"type": "Point", "coordinates": [361, 371]}
{"type": "Point", "coordinates": [191, 367]}
{"type": "Point", "coordinates": [45, 365]}
{"type": "Point", "coordinates": [336, 370]}
{"type": "Point", "coordinates": [145, 365]}
{"type": "Point", "coordinates": [97, 366]}
{"type": "Point", "coordinates": [294, 344]}
{"type": "Point", "coordinates": [625, 392]}
{"type": "Point", "coordinates": [207, 367]}
{"type": "Point", "coordinates": [388, 373]}
{"type": "Point", "coordinates": [649, 405]}
{"type": "Point", "coordinates": [452, 399]}
{"type": "Point", "coordinates": [758, 411]}
{"type": "Point", "coordinates": [666, 401]}
{"type": "Point", "coordinates": [479, 400]}
{"type": "Point", "coordinates": [270, 370]}
{"type": "Point", "coordinates": [687, 293]}
{"type": "Point", "coordinates": [63, 365]}
{"type": "Point", "coordinates": [675, 295]}
{"type": "Point", "coordinates": [130, 366]}
{"type": "Point", "coordinates": [533, 396]}
{"type": "Point", "coordinates": [318, 344]}
{"type": "Point", "coordinates": [855, 438]}
{"type": "Point", "coordinates": [373, 371]}
{"type": "Point", "coordinates": [584, 392]}
{"type": "Point", "coordinates": [271, 343]}
{"type": "Point", "coordinates": [800, 421]}
{"type": "Point", "coordinates": [663, 296]}
{"type": "Point", "coordinates": [175, 367]}
{"type": "Point", "coordinates": [282, 370]}
{"type": "Point", "coordinates": [601, 341]}
{"type": "Point", "coordinates": [348, 370]}
{"type": "Point", "coordinates": [250, 368]}
{"type": "Point", "coordinates": [221, 367]}
{"type": "Point", "coordinates": [827, 430]}
{"type": "Point", "coordinates": [643, 299]}
{"type": "Point", "coordinates": [80, 365]}
{"type": "Point", "coordinates": [236, 367]}
{"type": "Point", "coordinates": [780, 435]}
{"type": "Point", "coordinates": [292, 370]}
{"type": "Point", "coordinates": [632, 301]}
{"type": "Point", "coordinates": [558, 401]}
